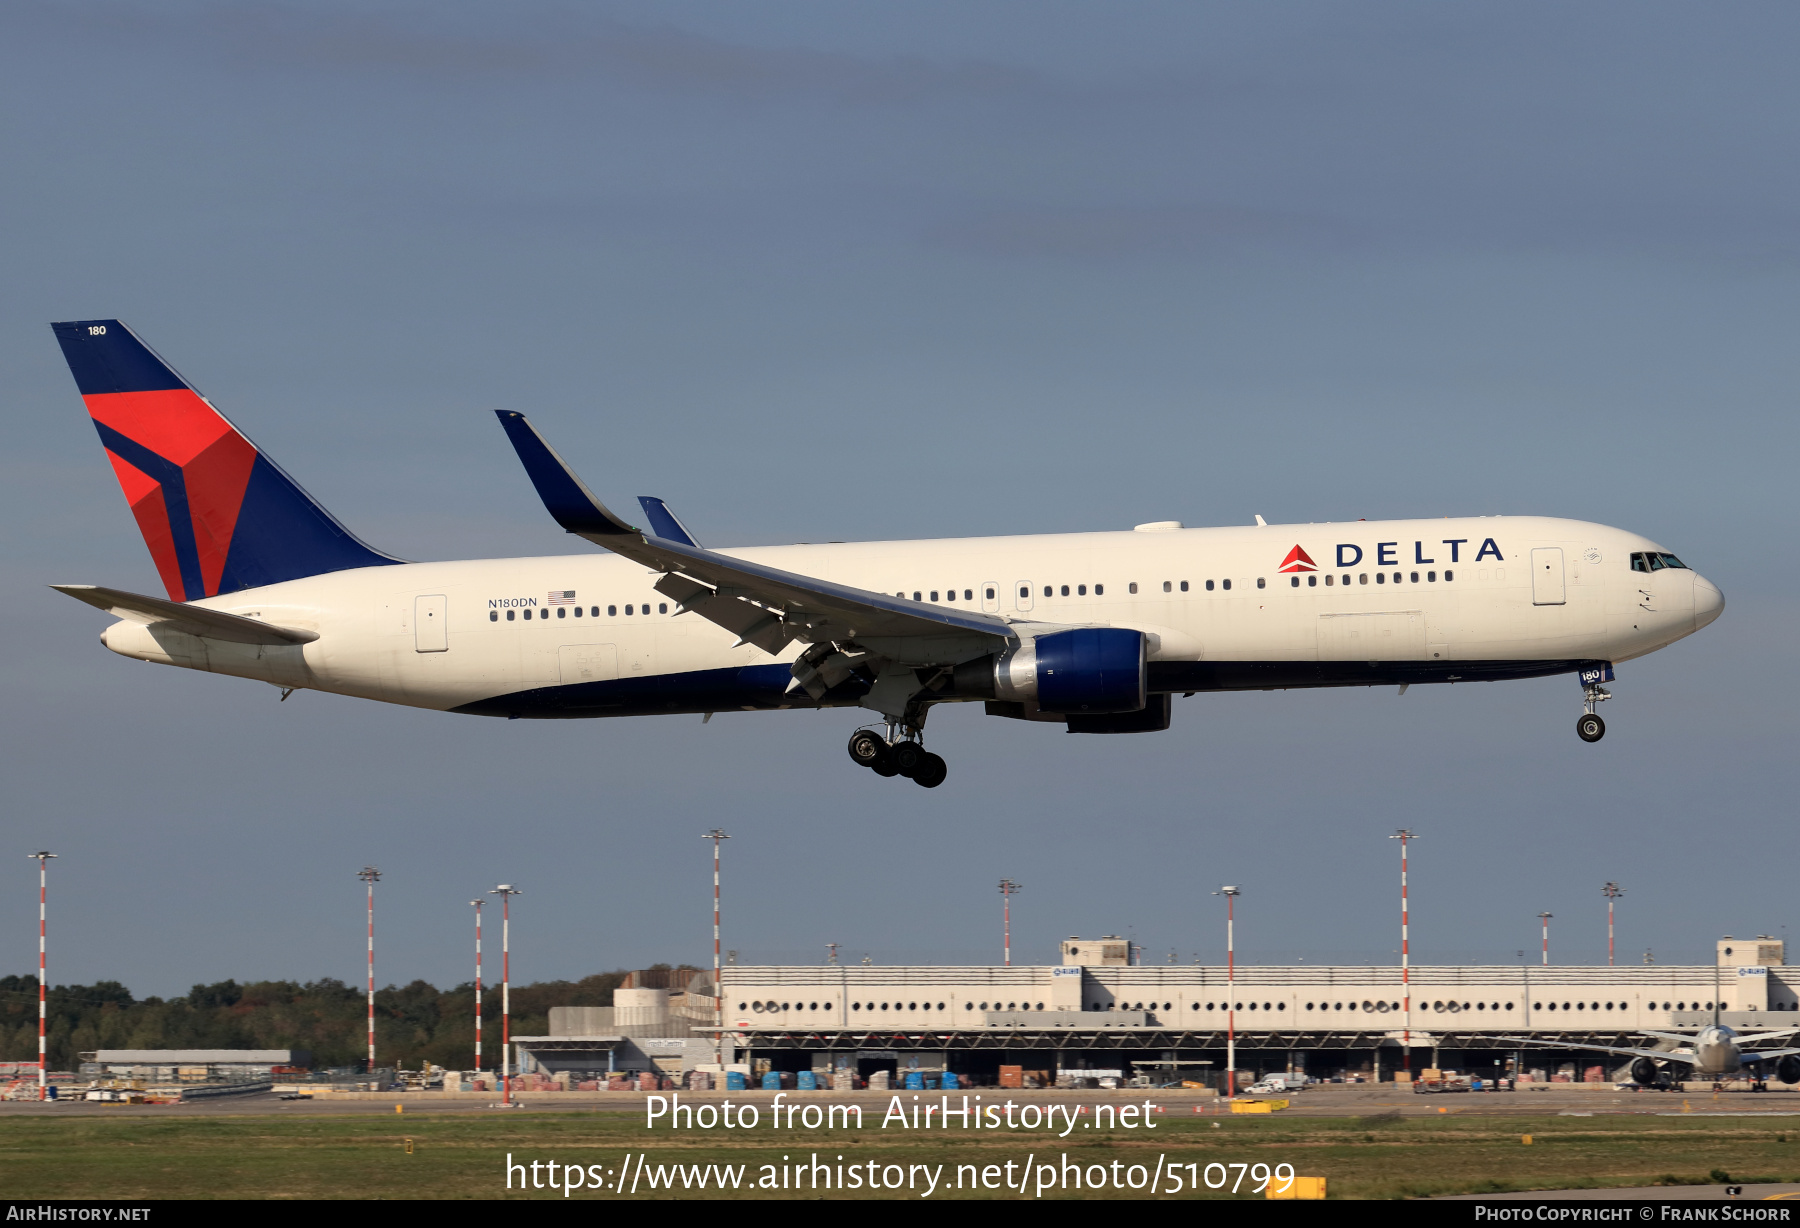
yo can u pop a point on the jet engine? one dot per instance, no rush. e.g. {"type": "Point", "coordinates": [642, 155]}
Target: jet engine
{"type": "Point", "coordinates": [1087, 669]}
{"type": "Point", "coordinates": [1788, 1069]}
{"type": "Point", "coordinates": [1644, 1071]}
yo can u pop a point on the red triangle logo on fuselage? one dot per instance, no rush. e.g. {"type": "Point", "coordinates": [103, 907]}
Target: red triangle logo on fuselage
{"type": "Point", "coordinates": [1298, 560]}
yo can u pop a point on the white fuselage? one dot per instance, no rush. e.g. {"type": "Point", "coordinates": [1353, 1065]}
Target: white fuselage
{"type": "Point", "coordinates": [1418, 599]}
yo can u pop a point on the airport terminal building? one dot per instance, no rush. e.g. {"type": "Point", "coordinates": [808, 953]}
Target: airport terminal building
{"type": "Point", "coordinates": [1096, 1012]}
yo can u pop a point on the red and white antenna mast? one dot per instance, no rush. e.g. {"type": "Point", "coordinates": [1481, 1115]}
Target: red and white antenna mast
{"type": "Point", "coordinates": [716, 835]}
{"type": "Point", "coordinates": [1403, 836]}
{"type": "Point", "coordinates": [43, 860]}
{"type": "Point", "coordinates": [1007, 890]}
{"type": "Point", "coordinates": [477, 906]}
{"type": "Point", "coordinates": [1231, 894]}
{"type": "Point", "coordinates": [371, 876]}
{"type": "Point", "coordinates": [1545, 918]}
{"type": "Point", "coordinates": [1611, 891]}
{"type": "Point", "coordinates": [506, 891]}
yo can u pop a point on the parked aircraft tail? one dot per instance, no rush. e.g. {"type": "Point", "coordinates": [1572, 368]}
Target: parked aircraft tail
{"type": "Point", "coordinates": [217, 514]}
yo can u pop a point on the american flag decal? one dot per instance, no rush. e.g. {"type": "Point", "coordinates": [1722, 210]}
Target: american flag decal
{"type": "Point", "coordinates": [564, 597]}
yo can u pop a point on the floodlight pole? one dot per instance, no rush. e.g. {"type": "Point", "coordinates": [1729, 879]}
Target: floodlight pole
{"type": "Point", "coordinates": [506, 891]}
{"type": "Point", "coordinates": [43, 860]}
{"type": "Point", "coordinates": [477, 906]}
{"type": "Point", "coordinates": [371, 876]}
{"type": "Point", "coordinates": [1007, 889]}
{"type": "Point", "coordinates": [1545, 918]}
{"type": "Point", "coordinates": [716, 835]}
{"type": "Point", "coordinates": [1404, 835]}
{"type": "Point", "coordinates": [1231, 894]}
{"type": "Point", "coordinates": [1611, 891]}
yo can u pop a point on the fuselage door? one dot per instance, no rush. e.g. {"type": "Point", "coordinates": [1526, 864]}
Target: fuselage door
{"type": "Point", "coordinates": [430, 623]}
{"type": "Point", "coordinates": [990, 596]}
{"type": "Point", "coordinates": [1547, 576]}
{"type": "Point", "coordinates": [1021, 594]}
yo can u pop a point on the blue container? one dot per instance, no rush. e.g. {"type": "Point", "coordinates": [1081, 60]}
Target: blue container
{"type": "Point", "coordinates": [771, 1082]}
{"type": "Point", "coordinates": [809, 1082]}
{"type": "Point", "coordinates": [915, 1080]}
{"type": "Point", "coordinates": [734, 1081]}
{"type": "Point", "coordinates": [949, 1081]}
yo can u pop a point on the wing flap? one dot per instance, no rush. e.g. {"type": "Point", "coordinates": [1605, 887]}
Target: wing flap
{"type": "Point", "coordinates": [194, 620]}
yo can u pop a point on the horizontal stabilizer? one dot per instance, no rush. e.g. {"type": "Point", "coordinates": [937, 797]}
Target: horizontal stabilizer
{"type": "Point", "coordinates": [194, 620]}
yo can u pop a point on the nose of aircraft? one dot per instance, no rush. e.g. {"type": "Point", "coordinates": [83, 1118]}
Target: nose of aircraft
{"type": "Point", "coordinates": [1709, 602]}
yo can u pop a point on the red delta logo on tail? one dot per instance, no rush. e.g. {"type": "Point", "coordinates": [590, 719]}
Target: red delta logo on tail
{"type": "Point", "coordinates": [1298, 560]}
{"type": "Point", "coordinates": [217, 515]}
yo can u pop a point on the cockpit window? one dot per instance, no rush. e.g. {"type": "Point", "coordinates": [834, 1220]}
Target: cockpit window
{"type": "Point", "coordinates": [1652, 560]}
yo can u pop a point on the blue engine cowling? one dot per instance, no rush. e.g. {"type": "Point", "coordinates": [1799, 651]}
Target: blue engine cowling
{"type": "Point", "coordinates": [1088, 669]}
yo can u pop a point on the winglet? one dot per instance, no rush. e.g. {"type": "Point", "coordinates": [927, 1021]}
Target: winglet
{"type": "Point", "coordinates": [570, 503]}
{"type": "Point", "coordinates": [664, 524]}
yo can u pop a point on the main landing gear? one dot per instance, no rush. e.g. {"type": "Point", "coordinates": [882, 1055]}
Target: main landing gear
{"type": "Point", "coordinates": [897, 758]}
{"type": "Point", "coordinates": [1590, 728]}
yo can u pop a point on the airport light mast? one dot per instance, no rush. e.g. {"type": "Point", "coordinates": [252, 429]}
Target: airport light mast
{"type": "Point", "coordinates": [1403, 835]}
{"type": "Point", "coordinates": [43, 860]}
{"type": "Point", "coordinates": [1545, 918]}
{"type": "Point", "coordinates": [1007, 889]}
{"type": "Point", "coordinates": [371, 876]}
{"type": "Point", "coordinates": [506, 891]}
{"type": "Point", "coordinates": [477, 906]}
{"type": "Point", "coordinates": [1231, 894]}
{"type": "Point", "coordinates": [716, 835]}
{"type": "Point", "coordinates": [1611, 891]}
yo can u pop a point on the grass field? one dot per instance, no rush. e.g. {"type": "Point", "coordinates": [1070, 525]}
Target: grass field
{"type": "Point", "coordinates": [463, 1156]}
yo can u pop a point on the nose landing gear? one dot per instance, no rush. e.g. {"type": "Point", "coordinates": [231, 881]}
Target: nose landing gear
{"type": "Point", "coordinates": [905, 757]}
{"type": "Point", "coordinates": [1590, 728]}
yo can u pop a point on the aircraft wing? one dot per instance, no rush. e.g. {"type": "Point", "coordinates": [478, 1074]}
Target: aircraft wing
{"type": "Point", "coordinates": [194, 620]}
{"type": "Point", "coordinates": [762, 605]}
{"type": "Point", "coordinates": [1661, 1055]}
{"type": "Point", "coordinates": [1763, 1055]}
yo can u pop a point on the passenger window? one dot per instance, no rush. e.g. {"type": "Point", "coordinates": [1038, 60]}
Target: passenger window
{"type": "Point", "coordinates": [527, 615]}
{"type": "Point", "coordinates": [1065, 590]}
{"type": "Point", "coordinates": [1396, 577]}
{"type": "Point", "coordinates": [1131, 588]}
{"type": "Point", "coordinates": [969, 594]}
{"type": "Point", "coordinates": [1448, 576]}
{"type": "Point", "coordinates": [1048, 591]}
{"type": "Point", "coordinates": [1025, 593]}
{"type": "Point", "coordinates": [934, 594]}
{"type": "Point", "coordinates": [915, 598]}
{"type": "Point", "coordinates": [562, 611]}
{"type": "Point", "coordinates": [1362, 578]}
{"type": "Point", "coordinates": [612, 611]}
{"type": "Point", "coordinates": [1166, 586]}
{"type": "Point", "coordinates": [988, 593]}
{"type": "Point", "coordinates": [1415, 577]}
{"type": "Point", "coordinates": [1099, 590]}
{"type": "Point", "coordinates": [1327, 581]}
{"type": "Point", "coordinates": [628, 611]}
{"type": "Point", "coordinates": [1380, 578]}
{"type": "Point", "coordinates": [594, 611]}
{"type": "Point", "coordinates": [493, 616]}
{"type": "Point", "coordinates": [1312, 582]}
{"type": "Point", "coordinates": [662, 607]}
{"type": "Point", "coordinates": [1080, 590]}
{"type": "Point", "coordinates": [509, 616]}
{"type": "Point", "coordinates": [1431, 577]}
{"type": "Point", "coordinates": [1261, 583]}
{"type": "Point", "coordinates": [1293, 581]}
{"type": "Point", "coordinates": [1226, 585]}
{"type": "Point", "coordinates": [577, 611]}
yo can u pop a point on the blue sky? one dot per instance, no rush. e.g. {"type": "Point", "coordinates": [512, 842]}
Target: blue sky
{"type": "Point", "coordinates": [819, 271]}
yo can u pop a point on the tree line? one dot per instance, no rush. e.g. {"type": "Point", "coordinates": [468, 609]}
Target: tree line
{"type": "Point", "coordinates": [414, 1023]}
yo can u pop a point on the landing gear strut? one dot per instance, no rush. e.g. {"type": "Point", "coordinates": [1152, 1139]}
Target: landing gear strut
{"type": "Point", "coordinates": [904, 757]}
{"type": "Point", "coordinates": [1590, 728]}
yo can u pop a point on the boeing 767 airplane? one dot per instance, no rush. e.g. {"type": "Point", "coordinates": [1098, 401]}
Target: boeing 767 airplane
{"type": "Point", "coordinates": [1095, 632]}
